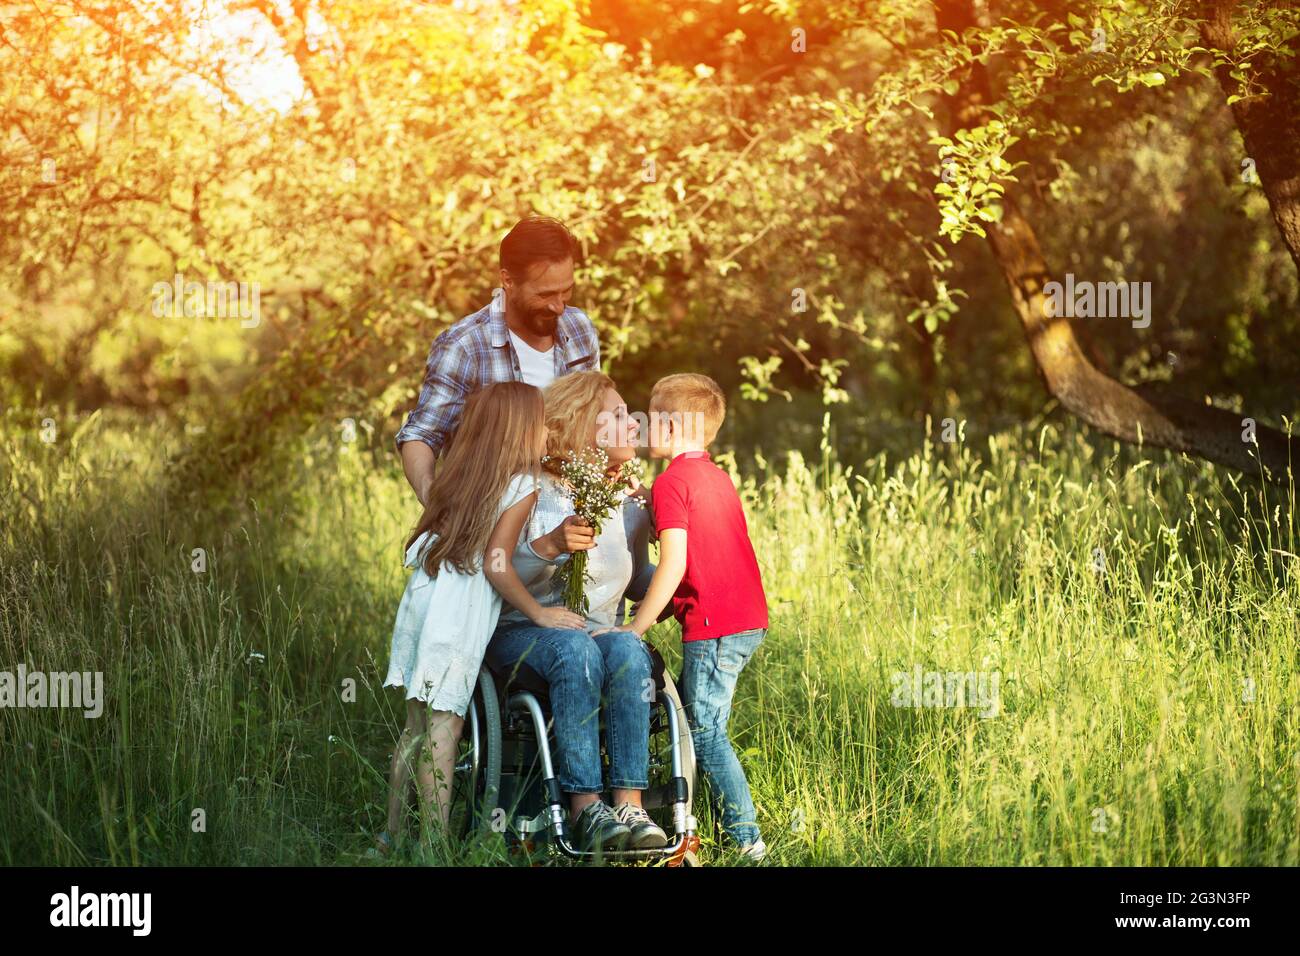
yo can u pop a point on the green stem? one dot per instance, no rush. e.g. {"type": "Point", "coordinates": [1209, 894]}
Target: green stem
{"type": "Point", "coordinates": [575, 584]}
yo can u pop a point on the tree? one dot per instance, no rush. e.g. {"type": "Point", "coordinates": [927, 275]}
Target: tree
{"type": "Point", "coordinates": [1256, 66]}
{"type": "Point", "coordinates": [757, 200]}
{"type": "Point", "coordinates": [1132, 415]}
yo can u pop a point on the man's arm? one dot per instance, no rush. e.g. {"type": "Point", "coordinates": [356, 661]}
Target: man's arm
{"type": "Point", "coordinates": [448, 378]}
{"type": "Point", "coordinates": [417, 463]}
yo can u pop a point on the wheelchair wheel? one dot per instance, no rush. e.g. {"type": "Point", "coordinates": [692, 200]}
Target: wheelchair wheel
{"type": "Point", "coordinates": [659, 796]}
{"type": "Point", "coordinates": [476, 785]}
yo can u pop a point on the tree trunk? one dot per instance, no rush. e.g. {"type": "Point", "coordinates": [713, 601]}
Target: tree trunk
{"type": "Point", "coordinates": [1269, 124]}
{"type": "Point", "coordinates": [1147, 416]}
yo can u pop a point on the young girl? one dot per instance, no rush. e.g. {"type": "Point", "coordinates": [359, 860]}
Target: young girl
{"type": "Point", "coordinates": [484, 490]}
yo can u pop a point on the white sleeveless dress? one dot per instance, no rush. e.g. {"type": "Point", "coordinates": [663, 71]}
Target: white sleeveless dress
{"type": "Point", "coordinates": [444, 623]}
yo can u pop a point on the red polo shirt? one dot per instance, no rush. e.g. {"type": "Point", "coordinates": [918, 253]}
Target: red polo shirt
{"type": "Point", "coordinates": [722, 590]}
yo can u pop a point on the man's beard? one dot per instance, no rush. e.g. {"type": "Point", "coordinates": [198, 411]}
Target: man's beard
{"type": "Point", "coordinates": [541, 323]}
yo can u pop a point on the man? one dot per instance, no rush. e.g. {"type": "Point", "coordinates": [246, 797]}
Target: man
{"type": "Point", "coordinates": [528, 333]}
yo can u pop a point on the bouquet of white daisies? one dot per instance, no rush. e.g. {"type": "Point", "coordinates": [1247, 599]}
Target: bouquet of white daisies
{"type": "Point", "coordinates": [596, 495]}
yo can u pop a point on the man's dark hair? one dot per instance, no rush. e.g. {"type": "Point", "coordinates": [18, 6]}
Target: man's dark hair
{"type": "Point", "coordinates": [536, 239]}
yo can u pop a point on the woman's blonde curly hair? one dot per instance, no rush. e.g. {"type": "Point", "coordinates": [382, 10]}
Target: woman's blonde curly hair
{"type": "Point", "coordinates": [573, 406]}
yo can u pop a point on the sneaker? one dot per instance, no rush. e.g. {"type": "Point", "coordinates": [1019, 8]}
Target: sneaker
{"type": "Point", "coordinates": [645, 833]}
{"type": "Point", "coordinates": [597, 826]}
{"type": "Point", "coordinates": [754, 852]}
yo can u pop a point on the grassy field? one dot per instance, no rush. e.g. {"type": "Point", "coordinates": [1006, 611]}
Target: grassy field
{"type": "Point", "coordinates": [1138, 621]}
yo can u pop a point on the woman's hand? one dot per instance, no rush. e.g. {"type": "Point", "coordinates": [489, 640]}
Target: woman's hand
{"type": "Point", "coordinates": [574, 534]}
{"type": "Point", "coordinates": [559, 617]}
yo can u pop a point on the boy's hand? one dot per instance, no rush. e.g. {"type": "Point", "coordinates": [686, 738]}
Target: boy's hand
{"type": "Point", "coordinates": [628, 627]}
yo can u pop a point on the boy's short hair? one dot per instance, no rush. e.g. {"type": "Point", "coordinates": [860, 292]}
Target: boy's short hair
{"type": "Point", "coordinates": [697, 396]}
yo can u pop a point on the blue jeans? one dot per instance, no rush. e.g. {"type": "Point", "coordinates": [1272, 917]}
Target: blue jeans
{"type": "Point", "coordinates": [710, 669]}
{"type": "Point", "coordinates": [581, 671]}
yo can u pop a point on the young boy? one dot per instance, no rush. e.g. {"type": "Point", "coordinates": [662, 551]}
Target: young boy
{"type": "Point", "coordinates": [708, 568]}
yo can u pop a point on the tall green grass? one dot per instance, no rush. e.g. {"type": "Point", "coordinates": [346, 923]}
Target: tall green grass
{"type": "Point", "coordinates": [1140, 616]}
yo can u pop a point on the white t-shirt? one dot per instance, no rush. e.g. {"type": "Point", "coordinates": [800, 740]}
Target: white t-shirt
{"type": "Point", "coordinates": [538, 368]}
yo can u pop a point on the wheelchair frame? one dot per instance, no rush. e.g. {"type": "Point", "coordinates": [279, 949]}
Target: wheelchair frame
{"type": "Point", "coordinates": [551, 823]}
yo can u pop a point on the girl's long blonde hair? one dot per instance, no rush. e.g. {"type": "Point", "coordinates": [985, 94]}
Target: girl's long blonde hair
{"type": "Point", "coordinates": [573, 405]}
{"type": "Point", "coordinates": [497, 439]}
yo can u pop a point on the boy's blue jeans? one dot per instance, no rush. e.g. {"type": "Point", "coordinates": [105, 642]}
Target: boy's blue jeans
{"type": "Point", "coordinates": [581, 671]}
{"type": "Point", "coordinates": [710, 669]}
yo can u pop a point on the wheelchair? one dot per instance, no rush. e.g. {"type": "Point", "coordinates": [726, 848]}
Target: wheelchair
{"type": "Point", "coordinates": [505, 783]}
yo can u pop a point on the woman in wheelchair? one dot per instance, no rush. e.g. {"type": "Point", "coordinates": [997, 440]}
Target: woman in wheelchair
{"type": "Point", "coordinates": [587, 676]}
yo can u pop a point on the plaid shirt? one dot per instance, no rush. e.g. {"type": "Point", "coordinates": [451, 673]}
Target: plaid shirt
{"type": "Point", "coordinates": [477, 351]}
